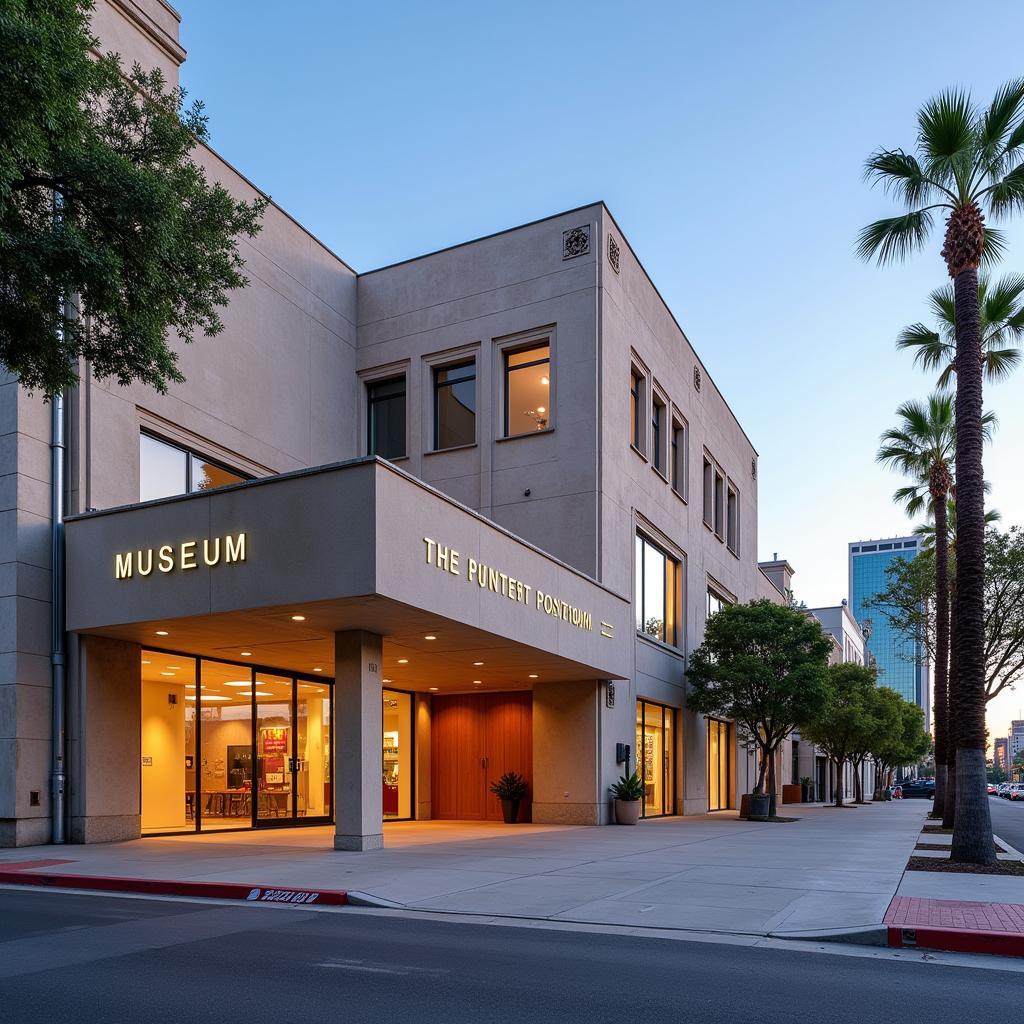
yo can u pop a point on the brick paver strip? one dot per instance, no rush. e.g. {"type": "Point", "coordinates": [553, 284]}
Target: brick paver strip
{"type": "Point", "coordinates": [963, 925]}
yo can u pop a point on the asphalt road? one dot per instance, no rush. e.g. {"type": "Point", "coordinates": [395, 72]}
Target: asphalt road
{"type": "Point", "coordinates": [96, 959]}
{"type": "Point", "coordinates": [1008, 820]}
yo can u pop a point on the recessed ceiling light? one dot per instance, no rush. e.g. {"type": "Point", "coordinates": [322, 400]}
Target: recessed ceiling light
{"type": "Point", "coordinates": [167, 673]}
{"type": "Point", "coordinates": [387, 680]}
{"type": "Point", "coordinates": [403, 661]}
{"type": "Point", "coordinates": [206, 696]}
{"type": "Point", "coordinates": [249, 693]}
{"type": "Point", "coordinates": [478, 663]}
{"type": "Point", "coordinates": [318, 670]}
{"type": "Point", "coordinates": [245, 654]}
{"type": "Point", "coordinates": [298, 618]}
{"type": "Point", "coordinates": [177, 668]}
{"type": "Point", "coordinates": [545, 380]}
{"type": "Point", "coordinates": [239, 682]}
{"type": "Point", "coordinates": [145, 662]}
{"type": "Point", "coordinates": [533, 675]}
{"type": "Point", "coordinates": [434, 689]}
{"type": "Point", "coordinates": [162, 632]}
{"type": "Point", "coordinates": [477, 682]}
{"type": "Point", "coordinates": [430, 636]}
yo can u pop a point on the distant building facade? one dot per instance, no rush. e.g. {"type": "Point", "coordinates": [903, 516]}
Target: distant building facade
{"type": "Point", "coordinates": [1000, 760]}
{"type": "Point", "coordinates": [902, 664]}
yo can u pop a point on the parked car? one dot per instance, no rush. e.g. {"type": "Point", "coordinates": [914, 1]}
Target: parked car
{"type": "Point", "coordinates": [991, 788]}
{"type": "Point", "coordinates": [1003, 789]}
{"type": "Point", "coordinates": [919, 787]}
{"type": "Point", "coordinates": [1017, 791]}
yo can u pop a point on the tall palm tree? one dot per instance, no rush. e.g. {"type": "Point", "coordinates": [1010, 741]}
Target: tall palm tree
{"type": "Point", "coordinates": [969, 160]}
{"type": "Point", "coordinates": [1001, 307]}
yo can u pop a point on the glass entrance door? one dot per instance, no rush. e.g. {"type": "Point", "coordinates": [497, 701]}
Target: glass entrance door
{"type": "Point", "coordinates": [655, 757]}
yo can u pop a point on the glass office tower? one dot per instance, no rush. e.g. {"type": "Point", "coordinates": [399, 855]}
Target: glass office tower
{"type": "Point", "coordinates": [902, 663]}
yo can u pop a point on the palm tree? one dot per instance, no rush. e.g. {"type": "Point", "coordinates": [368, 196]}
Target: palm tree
{"type": "Point", "coordinates": [1002, 323]}
{"type": "Point", "coordinates": [969, 160]}
{"type": "Point", "coordinates": [923, 447]}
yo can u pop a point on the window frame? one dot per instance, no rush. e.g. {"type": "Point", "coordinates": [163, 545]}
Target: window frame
{"type": "Point", "coordinates": [732, 517]}
{"type": "Point", "coordinates": [190, 454]}
{"type": "Point", "coordinates": [659, 431]}
{"type": "Point", "coordinates": [638, 397]}
{"type": "Point", "coordinates": [506, 371]}
{"type": "Point", "coordinates": [436, 369]}
{"type": "Point", "coordinates": [680, 456]}
{"type": "Point", "coordinates": [674, 567]}
{"type": "Point", "coordinates": [369, 384]}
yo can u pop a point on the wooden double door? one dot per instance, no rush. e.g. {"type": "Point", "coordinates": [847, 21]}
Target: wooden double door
{"type": "Point", "coordinates": [474, 739]}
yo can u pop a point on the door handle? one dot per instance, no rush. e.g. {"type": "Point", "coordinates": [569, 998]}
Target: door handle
{"type": "Point", "coordinates": [483, 762]}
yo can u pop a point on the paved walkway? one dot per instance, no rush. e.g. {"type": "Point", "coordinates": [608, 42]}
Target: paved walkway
{"type": "Point", "coordinates": [832, 869]}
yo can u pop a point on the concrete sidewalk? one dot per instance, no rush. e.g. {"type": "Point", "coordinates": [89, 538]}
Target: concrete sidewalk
{"type": "Point", "coordinates": [831, 870]}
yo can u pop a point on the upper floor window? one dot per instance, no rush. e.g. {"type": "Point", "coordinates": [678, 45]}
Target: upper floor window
{"type": "Point", "coordinates": [658, 592]}
{"type": "Point", "coordinates": [680, 461]}
{"type": "Point", "coordinates": [709, 493]}
{"type": "Point", "coordinates": [385, 414]}
{"type": "Point", "coordinates": [719, 505]}
{"type": "Point", "coordinates": [455, 405]}
{"type": "Point", "coordinates": [528, 389]}
{"type": "Point", "coordinates": [732, 519]}
{"type": "Point", "coordinates": [636, 408]}
{"type": "Point", "coordinates": [166, 469]}
{"type": "Point", "coordinates": [658, 437]}
{"type": "Point", "coordinates": [716, 601]}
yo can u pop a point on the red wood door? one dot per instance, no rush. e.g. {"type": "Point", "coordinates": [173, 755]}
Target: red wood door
{"type": "Point", "coordinates": [475, 738]}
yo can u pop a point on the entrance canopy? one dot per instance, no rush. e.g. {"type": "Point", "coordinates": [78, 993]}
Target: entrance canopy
{"type": "Point", "coordinates": [271, 569]}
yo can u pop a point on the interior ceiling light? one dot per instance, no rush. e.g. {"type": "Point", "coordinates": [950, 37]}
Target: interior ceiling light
{"type": "Point", "coordinates": [245, 654]}
{"type": "Point", "coordinates": [477, 663]}
{"type": "Point", "coordinates": [239, 682]}
{"type": "Point", "coordinates": [145, 662]}
{"type": "Point", "coordinates": [167, 673]}
{"type": "Point", "coordinates": [433, 689]}
{"type": "Point", "coordinates": [533, 675]}
{"type": "Point", "coordinates": [387, 680]}
{"type": "Point", "coordinates": [250, 693]}
{"type": "Point", "coordinates": [177, 668]}
{"type": "Point", "coordinates": [545, 380]}
{"type": "Point", "coordinates": [206, 696]}
{"type": "Point", "coordinates": [430, 636]}
{"type": "Point", "coordinates": [298, 618]}
{"type": "Point", "coordinates": [477, 682]}
{"type": "Point", "coordinates": [162, 632]}
{"type": "Point", "coordinates": [318, 670]}
{"type": "Point", "coordinates": [403, 661]}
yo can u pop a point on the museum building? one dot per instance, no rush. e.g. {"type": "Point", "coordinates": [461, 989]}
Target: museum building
{"type": "Point", "coordinates": [400, 532]}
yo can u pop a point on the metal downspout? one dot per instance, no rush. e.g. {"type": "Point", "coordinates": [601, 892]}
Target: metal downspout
{"type": "Point", "coordinates": [57, 647]}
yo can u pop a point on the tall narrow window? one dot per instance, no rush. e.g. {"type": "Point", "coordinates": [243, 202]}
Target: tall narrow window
{"type": "Point", "coordinates": [657, 596]}
{"type": "Point", "coordinates": [636, 393]}
{"type": "Point", "coordinates": [385, 415]}
{"type": "Point", "coordinates": [658, 412]}
{"type": "Point", "coordinates": [709, 493]}
{"type": "Point", "coordinates": [732, 520]}
{"type": "Point", "coordinates": [679, 460]}
{"type": "Point", "coordinates": [528, 390]}
{"type": "Point", "coordinates": [455, 405]}
{"type": "Point", "coordinates": [719, 506]}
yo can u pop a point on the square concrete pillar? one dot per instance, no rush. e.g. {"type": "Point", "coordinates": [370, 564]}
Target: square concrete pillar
{"type": "Point", "coordinates": [358, 717]}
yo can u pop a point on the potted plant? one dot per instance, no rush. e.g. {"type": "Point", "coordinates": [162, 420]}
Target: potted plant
{"type": "Point", "coordinates": [808, 789]}
{"type": "Point", "coordinates": [510, 790]}
{"type": "Point", "coordinates": [627, 793]}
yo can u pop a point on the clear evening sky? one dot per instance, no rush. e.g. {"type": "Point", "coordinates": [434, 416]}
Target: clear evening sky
{"type": "Point", "coordinates": [728, 139]}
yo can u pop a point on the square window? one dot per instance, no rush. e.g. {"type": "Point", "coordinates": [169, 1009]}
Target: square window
{"type": "Point", "coordinates": [528, 390]}
{"type": "Point", "coordinates": [455, 405]}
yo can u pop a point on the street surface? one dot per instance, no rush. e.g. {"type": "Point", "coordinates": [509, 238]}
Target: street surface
{"type": "Point", "coordinates": [1008, 820]}
{"type": "Point", "coordinates": [97, 959]}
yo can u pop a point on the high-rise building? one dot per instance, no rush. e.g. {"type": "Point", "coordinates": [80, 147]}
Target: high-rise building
{"type": "Point", "coordinates": [1015, 740]}
{"type": "Point", "coordinates": [902, 663]}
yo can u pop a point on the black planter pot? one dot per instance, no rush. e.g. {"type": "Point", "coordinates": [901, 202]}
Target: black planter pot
{"type": "Point", "coordinates": [759, 804]}
{"type": "Point", "coordinates": [510, 810]}
{"type": "Point", "coordinates": [808, 794]}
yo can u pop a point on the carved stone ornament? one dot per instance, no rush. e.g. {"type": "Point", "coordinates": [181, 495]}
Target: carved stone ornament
{"type": "Point", "coordinates": [613, 253]}
{"type": "Point", "coordinates": [576, 242]}
{"type": "Point", "coordinates": [753, 468]}
{"type": "Point", "coordinates": [696, 378]}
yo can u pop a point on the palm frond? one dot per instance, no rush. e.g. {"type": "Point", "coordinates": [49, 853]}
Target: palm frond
{"type": "Point", "coordinates": [1000, 363]}
{"type": "Point", "coordinates": [895, 238]}
{"type": "Point", "coordinates": [900, 175]}
{"type": "Point", "coordinates": [947, 135]}
{"type": "Point", "coordinates": [989, 425]}
{"type": "Point", "coordinates": [993, 247]}
{"type": "Point", "coordinates": [1002, 299]}
{"type": "Point", "coordinates": [1003, 117]}
{"type": "Point", "coordinates": [930, 351]}
{"type": "Point", "coordinates": [1006, 195]}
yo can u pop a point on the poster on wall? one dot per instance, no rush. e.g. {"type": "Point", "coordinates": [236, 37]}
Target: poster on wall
{"type": "Point", "coordinates": [275, 739]}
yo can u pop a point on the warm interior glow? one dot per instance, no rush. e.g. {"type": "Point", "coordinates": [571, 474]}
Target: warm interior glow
{"type": "Point", "coordinates": [162, 632]}
{"type": "Point", "coordinates": [298, 618]}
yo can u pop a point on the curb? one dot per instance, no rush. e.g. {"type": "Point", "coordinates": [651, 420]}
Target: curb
{"type": "Point", "coordinates": [869, 935]}
{"type": "Point", "coordinates": [166, 887]}
{"type": "Point", "coordinates": [955, 940]}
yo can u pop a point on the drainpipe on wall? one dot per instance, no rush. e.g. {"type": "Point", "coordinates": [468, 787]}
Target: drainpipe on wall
{"type": "Point", "coordinates": [58, 776]}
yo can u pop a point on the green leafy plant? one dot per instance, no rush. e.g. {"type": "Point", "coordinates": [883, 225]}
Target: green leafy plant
{"type": "Point", "coordinates": [805, 780]}
{"type": "Point", "coordinates": [629, 787]}
{"type": "Point", "coordinates": [511, 786]}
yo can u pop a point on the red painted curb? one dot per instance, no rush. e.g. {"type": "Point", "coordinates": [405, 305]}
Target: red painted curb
{"type": "Point", "coordinates": [953, 940]}
{"type": "Point", "coordinates": [167, 887]}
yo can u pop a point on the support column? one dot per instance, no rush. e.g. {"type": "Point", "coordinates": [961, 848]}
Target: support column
{"type": "Point", "coordinates": [358, 657]}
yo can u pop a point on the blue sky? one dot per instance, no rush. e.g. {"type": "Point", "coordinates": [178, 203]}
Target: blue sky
{"type": "Point", "coordinates": [728, 140]}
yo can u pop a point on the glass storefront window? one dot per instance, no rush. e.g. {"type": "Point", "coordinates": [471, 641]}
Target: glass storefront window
{"type": "Point", "coordinates": [313, 751]}
{"type": "Point", "coordinates": [455, 405]}
{"type": "Point", "coordinates": [168, 742]}
{"type": "Point", "coordinates": [655, 757]}
{"type": "Point", "coordinates": [274, 746]}
{"type": "Point", "coordinates": [396, 762]}
{"type": "Point", "coordinates": [527, 390]}
{"type": "Point", "coordinates": [720, 743]}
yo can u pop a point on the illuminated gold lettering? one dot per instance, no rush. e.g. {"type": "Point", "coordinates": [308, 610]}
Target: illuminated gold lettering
{"type": "Point", "coordinates": [123, 566]}
{"type": "Point", "coordinates": [166, 563]}
{"type": "Point", "coordinates": [149, 561]}
{"type": "Point", "coordinates": [492, 579]}
{"type": "Point", "coordinates": [471, 569]}
{"type": "Point", "coordinates": [453, 566]}
{"type": "Point", "coordinates": [216, 551]}
{"type": "Point", "coordinates": [442, 557]}
{"type": "Point", "coordinates": [188, 554]}
{"type": "Point", "coordinates": [234, 548]}
{"type": "Point", "coordinates": [430, 549]}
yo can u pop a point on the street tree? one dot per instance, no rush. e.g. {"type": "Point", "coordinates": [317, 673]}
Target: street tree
{"type": "Point", "coordinates": [900, 738]}
{"type": "Point", "coordinates": [764, 666]}
{"type": "Point", "coordinates": [111, 236]}
{"type": "Point", "coordinates": [969, 160]}
{"type": "Point", "coordinates": [844, 723]}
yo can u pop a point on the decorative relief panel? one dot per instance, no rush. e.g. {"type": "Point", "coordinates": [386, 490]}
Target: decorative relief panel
{"type": "Point", "coordinates": [576, 242]}
{"type": "Point", "coordinates": [613, 253]}
{"type": "Point", "coordinates": [696, 378]}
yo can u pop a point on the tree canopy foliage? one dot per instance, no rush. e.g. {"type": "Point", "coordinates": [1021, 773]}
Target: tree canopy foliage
{"type": "Point", "coordinates": [111, 236]}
